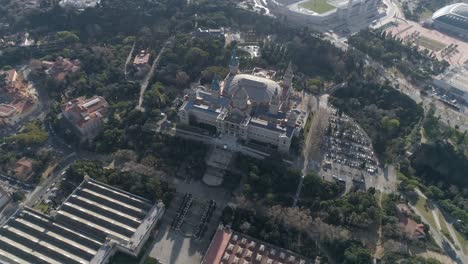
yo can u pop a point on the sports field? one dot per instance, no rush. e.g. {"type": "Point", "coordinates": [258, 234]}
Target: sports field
{"type": "Point", "coordinates": [431, 43]}
{"type": "Point", "coordinates": [318, 6]}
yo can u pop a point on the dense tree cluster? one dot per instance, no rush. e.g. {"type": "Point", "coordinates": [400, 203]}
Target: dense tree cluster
{"type": "Point", "coordinates": [422, 9]}
{"type": "Point", "coordinates": [315, 190]}
{"type": "Point", "coordinates": [270, 229]}
{"type": "Point", "coordinates": [387, 115]}
{"type": "Point", "coordinates": [350, 252]}
{"type": "Point", "coordinates": [441, 163]}
{"type": "Point", "coordinates": [391, 51]}
{"type": "Point", "coordinates": [269, 180]}
{"type": "Point", "coordinates": [356, 209]}
{"type": "Point", "coordinates": [193, 57]}
{"type": "Point", "coordinates": [32, 134]}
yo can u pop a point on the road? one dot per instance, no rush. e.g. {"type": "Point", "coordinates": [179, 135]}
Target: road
{"type": "Point", "coordinates": [129, 58]}
{"type": "Point", "coordinates": [34, 197]}
{"type": "Point", "coordinates": [393, 12]}
{"type": "Point", "coordinates": [307, 149]}
{"type": "Point", "coordinates": [144, 84]}
{"type": "Point", "coordinates": [436, 233]}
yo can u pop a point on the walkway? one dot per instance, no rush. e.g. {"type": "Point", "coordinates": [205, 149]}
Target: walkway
{"type": "Point", "coordinates": [310, 145]}
{"type": "Point", "coordinates": [129, 57]}
{"type": "Point", "coordinates": [146, 80]}
{"type": "Point", "coordinates": [436, 233]}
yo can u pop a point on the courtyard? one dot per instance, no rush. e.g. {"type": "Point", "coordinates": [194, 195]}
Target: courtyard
{"type": "Point", "coordinates": [453, 50]}
{"type": "Point", "coordinates": [431, 44]}
{"type": "Point", "coordinates": [183, 243]}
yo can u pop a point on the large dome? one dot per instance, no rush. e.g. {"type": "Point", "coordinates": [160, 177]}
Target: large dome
{"type": "Point", "coordinates": [258, 89]}
{"type": "Point", "coordinates": [455, 15]}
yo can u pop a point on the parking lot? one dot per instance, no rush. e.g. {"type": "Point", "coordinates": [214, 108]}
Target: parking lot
{"type": "Point", "coordinates": [348, 154]}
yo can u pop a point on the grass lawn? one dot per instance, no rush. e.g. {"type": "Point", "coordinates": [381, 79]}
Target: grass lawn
{"type": "Point", "coordinates": [41, 207]}
{"type": "Point", "coordinates": [443, 227]}
{"type": "Point", "coordinates": [307, 125]}
{"type": "Point", "coordinates": [463, 241]}
{"type": "Point", "coordinates": [431, 44]}
{"type": "Point", "coordinates": [425, 15]}
{"type": "Point", "coordinates": [443, 224]}
{"type": "Point", "coordinates": [318, 6]}
{"type": "Point", "coordinates": [426, 212]}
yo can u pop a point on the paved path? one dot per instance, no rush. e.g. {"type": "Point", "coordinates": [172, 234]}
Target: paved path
{"type": "Point", "coordinates": [146, 80]}
{"type": "Point", "coordinates": [436, 234]}
{"type": "Point", "coordinates": [313, 135]}
{"type": "Point", "coordinates": [129, 57]}
{"type": "Point", "coordinates": [36, 196]}
{"type": "Point", "coordinates": [379, 249]}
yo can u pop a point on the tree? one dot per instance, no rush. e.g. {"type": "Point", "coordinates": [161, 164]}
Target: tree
{"type": "Point", "coordinates": [196, 57]}
{"type": "Point", "coordinates": [356, 254]}
{"type": "Point", "coordinates": [18, 196]}
{"type": "Point", "coordinates": [68, 37]}
{"type": "Point", "coordinates": [151, 260]}
{"type": "Point", "coordinates": [295, 217]}
{"type": "Point", "coordinates": [208, 74]}
{"type": "Point", "coordinates": [122, 156]}
{"type": "Point", "coordinates": [155, 97]}
{"type": "Point", "coordinates": [390, 125]}
{"type": "Point", "coordinates": [32, 134]}
{"type": "Point", "coordinates": [182, 79]}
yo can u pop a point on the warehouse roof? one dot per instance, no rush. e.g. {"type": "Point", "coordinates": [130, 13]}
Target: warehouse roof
{"type": "Point", "coordinates": [84, 229]}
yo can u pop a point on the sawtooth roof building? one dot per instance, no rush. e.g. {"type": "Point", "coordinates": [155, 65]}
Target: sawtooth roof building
{"type": "Point", "coordinates": [94, 222]}
{"type": "Point", "coordinates": [452, 18]}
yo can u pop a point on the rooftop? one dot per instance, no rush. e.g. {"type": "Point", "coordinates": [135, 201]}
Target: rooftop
{"type": "Point", "coordinates": [141, 58]}
{"type": "Point", "coordinates": [229, 246]}
{"type": "Point", "coordinates": [455, 15]}
{"type": "Point", "coordinates": [85, 110]}
{"type": "Point", "coordinates": [86, 226]}
{"type": "Point", "coordinates": [258, 89]}
{"type": "Point", "coordinates": [6, 110]}
{"type": "Point", "coordinates": [61, 67]}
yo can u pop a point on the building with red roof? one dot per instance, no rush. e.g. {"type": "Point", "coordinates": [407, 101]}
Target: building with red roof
{"type": "Point", "coordinates": [142, 58]}
{"type": "Point", "coordinates": [61, 68]}
{"type": "Point", "coordinates": [23, 169]}
{"type": "Point", "coordinates": [231, 247]}
{"type": "Point", "coordinates": [86, 115]}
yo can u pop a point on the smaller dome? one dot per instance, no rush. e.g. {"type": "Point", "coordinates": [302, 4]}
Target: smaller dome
{"type": "Point", "coordinates": [455, 15]}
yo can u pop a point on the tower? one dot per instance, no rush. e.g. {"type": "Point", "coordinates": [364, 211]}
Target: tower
{"type": "Point", "coordinates": [348, 11]}
{"type": "Point", "coordinates": [288, 76]}
{"type": "Point", "coordinates": [215, 84]}
{"type": "Point", "coordinates": [234, 64]}
{"type": "Point", "coordinates": [274, 103]}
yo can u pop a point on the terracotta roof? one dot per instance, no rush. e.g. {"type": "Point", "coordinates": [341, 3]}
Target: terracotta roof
{"type": "Point", "coordinates": [86, 110]}
{"type": "Point", "coordinates": [217, 247]}
{"type": "Point", "coordinates": [6, 110]}
{"type": "Point", "coordinates": [25, 162]}
{"type": "Point", "coordinates": [231, 247]}
{"type": "Point", "coordinates": [141, 58]}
